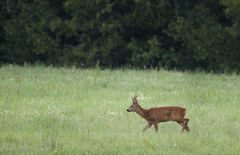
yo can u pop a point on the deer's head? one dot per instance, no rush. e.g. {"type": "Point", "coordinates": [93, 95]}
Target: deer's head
{"type": "Point", "coordinates": [134, 105]}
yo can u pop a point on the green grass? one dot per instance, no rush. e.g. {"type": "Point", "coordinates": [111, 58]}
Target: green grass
{"type": "Point", "coordinates": [73, 111]}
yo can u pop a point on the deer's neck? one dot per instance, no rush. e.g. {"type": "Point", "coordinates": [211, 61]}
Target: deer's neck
{"type": "Point", "coordinates": [140, 111]}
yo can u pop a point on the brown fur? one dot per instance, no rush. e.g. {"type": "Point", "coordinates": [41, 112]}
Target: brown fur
{"type": "Point", "coordinates": [160, 114]}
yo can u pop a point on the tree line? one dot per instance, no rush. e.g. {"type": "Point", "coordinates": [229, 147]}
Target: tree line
{"type": "Point", "coordinates": [171, 34]}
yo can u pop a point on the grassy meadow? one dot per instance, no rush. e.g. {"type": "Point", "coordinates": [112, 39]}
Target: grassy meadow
{"type": "Point", "coordinates": [45, 110]}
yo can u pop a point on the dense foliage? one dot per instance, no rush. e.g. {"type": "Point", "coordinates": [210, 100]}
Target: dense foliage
{"type": "Point", "coordinates": [193, 34]}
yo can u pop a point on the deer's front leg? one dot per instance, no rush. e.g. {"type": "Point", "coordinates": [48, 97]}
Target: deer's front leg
{"type": "Point", "coordinates": [148, 126]}
{"type": "Point", "coordinates": [156, 127]}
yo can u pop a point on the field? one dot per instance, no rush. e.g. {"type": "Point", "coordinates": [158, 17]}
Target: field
{"type": "Point", "coordinates": [45, 110]}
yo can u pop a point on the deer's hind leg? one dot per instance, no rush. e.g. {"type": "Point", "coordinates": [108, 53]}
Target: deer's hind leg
{"type": "Point", "coordinates": [184, 126]}
{"type": "Point", "coordinates": [186, 120]}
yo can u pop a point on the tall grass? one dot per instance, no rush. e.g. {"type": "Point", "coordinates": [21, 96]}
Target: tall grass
{"type": "Point", "coordinates": [73, 111]}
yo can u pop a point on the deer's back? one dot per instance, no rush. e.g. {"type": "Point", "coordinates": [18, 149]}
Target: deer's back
{"type": "Point", "coordinates": [162, 114]}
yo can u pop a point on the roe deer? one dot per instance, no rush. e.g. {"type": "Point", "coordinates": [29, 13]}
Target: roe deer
{"type": "Point", "coordinates": [160, 114]}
